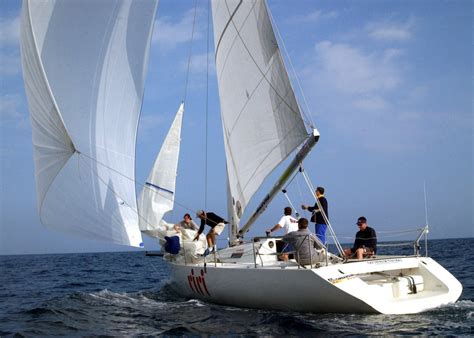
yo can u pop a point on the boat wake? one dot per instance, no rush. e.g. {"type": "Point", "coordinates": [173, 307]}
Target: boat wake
{"type": "Point", "coordinates": [163, 312]}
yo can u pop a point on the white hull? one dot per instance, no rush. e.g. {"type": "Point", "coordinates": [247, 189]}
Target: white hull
{"type": "Point", "coordinates": [367, 286]}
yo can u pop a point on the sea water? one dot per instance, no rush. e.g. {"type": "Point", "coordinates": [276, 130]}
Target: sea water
{"type": "Point", "coordinates": [126, 293]}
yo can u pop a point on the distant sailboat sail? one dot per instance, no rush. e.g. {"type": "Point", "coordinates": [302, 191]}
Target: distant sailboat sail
{"type": "Point", "coordinates": [261, 119]}
{"type": "Point", "coordinates": [157, 196]}
{"type": "Point", "coordinates": [84, 72]}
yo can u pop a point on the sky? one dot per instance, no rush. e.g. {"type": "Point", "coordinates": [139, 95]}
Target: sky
{"type": "Point", "coordinates": [389, 85]}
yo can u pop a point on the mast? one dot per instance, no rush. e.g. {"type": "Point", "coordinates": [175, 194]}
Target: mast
{"type": "Point", "coordinates": [299, 157]}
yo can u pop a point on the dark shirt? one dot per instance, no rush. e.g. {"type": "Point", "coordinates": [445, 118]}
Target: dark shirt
{"type": "Point", "coordinates": [212, 220]}
{"type": "Point", "coordinates": [366, 238]}
{"type": "Point", "coordinates": [317, 217]}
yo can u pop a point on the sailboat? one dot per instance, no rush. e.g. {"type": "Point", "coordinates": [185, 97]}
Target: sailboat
{"type": "Point", "coordinates": [85, 84]}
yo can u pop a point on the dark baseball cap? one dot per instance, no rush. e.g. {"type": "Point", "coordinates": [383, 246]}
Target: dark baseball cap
{"type": "Point", "coordinates": [361, 220]}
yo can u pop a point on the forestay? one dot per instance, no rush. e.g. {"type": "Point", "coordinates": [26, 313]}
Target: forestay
{"type": "Point", "coordinates": [84, 71]}
{"type": "Point", "coordinates": [261, 119]}
{"type": "Point", "coordinates": [157, 196]}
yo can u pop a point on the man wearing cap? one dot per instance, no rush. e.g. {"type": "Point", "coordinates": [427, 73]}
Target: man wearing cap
{"type": "Point", "coordinates": [365, 243]}
{"type": "Point", "coordinates": [217, 225]}
{"type": "Point", "coordinates": [317, 216]}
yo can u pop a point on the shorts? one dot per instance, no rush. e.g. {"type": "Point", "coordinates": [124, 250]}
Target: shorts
{"type": "Point", "coordinates": [367, 250]}
{"type": "Point", "coordinates": [283, 247]}
{"type": "Point", "coordinates": [218, 228]}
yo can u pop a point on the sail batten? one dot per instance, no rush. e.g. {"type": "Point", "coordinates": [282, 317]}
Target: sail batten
{"type": "Point", "coordinates": [261, 118]}
{"type": "Point", "coordinates": [84, 72]}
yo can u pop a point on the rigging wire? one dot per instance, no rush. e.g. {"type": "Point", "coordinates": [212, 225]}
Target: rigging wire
{"type": "Point", "coordinates": [426, 206]}
{"type": "Point", "coordinates": [329, 226]}
{"type": "Point", "coordinates": [426, 218]}
{"type": "Point", "coordinates": [207, 107]}
{"type": "Point", "coordinates": [190, 52]}
{"type": "Point", "coordinates": [109, 187]}
{"type": "Point", "coordinates": [300, 193]}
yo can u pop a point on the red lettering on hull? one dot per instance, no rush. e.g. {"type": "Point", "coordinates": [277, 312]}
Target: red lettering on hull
{"type": "Point", "coordinates": [198, 283]}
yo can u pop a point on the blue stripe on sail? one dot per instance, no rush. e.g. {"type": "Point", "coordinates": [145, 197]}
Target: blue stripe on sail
{"type": "Point", "coordinates": [158, 187]}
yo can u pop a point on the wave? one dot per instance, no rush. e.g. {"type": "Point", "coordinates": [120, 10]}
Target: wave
{"type": "Point", "coordinates": [463, 304]}
{"type": "Point", "coordinates": [40, 311]}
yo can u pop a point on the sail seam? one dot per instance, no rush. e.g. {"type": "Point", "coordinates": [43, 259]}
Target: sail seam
{"type": "Point", "coordinates": [159, 188]}
{"type": "Point", "coordinates": [270, 152]}
{"type": "Point", "coordinates": [240, 190]}
{"type": "Point", "coordinates": [226, 26]}
{"type": "Point", "coordinates": [253, 92]}
{"type": "Point", "coordinates": [233, 43]}
{"type": "Point", "coordinates": [108, 186]}
{"type": "Point", "coordinates": [264, 73]}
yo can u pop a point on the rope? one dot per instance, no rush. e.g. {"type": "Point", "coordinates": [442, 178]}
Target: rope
{"type": "Point", "coordinates": [291, 180]}
{"type": "Point", "coordinates": [284, 190]}
{"type": "Point", "coordinates": [299, 188]}
{"type": "Point", "coordinates": [110, 188]}
{"type": "Point", "coordinates": [190, 53]}
{"type": "Point", "coordinates": [143, 186]}
{"type": "Point", "coordinates": [291, 204]}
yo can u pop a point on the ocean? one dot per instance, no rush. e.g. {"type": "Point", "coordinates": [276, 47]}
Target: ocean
{"type": "Point", "coordinates": [127, 293]}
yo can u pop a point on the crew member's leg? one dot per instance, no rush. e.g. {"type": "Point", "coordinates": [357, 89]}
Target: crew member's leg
{"type": "Point", "coordinates": [321, 232]}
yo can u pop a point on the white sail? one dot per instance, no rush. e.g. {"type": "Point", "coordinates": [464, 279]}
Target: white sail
{"type": "Point", "coordinates": [84, 71]}
{"type": "Point", "coordinates": [157, 196]}
{"type": "Point", "coordinates": [261, 119]}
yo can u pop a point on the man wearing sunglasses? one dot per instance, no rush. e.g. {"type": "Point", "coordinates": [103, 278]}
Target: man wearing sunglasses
{"type": "Point", "coordinates": [365, 244]}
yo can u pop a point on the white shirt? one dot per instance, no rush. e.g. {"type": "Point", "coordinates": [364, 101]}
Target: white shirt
{"type": "Point", "coordinates": [288, 223]}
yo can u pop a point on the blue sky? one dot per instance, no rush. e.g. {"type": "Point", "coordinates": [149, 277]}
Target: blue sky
{"type": "Point", "coordinates": [389, 85]}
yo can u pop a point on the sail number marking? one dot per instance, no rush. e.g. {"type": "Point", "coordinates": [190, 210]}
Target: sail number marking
{"type": "Point", "coordinates": [198, 283]}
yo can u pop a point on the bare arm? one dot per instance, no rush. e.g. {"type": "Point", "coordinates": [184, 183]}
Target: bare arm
{"type": "Point", "coordinates": [275, 227]}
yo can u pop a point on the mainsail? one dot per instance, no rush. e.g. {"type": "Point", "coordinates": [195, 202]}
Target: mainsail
{"type": "Point", "coordinates": [84, 71]}
{"type": "Point", "coordinates": [261, 119]}
{"type": "Point", "coordinates": [157, 196]}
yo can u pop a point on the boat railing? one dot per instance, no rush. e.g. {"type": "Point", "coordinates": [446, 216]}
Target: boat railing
{"type": "Point", "coordinates": [415, 244]}
{"type": "Point", "coordinates": [423, 233]}
{"type": "Point", "coordinates": [258, 255]}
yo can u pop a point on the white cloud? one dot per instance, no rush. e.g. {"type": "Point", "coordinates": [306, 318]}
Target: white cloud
{"type": "Point", "coordinates": [9, 63]}
{"type": "Point", "coordinates": [9, 31]}
{"type": "Point", "coordinates": [168, 32]}
{"type": "Point", "coordinates": [149, 124]}
{"type": "Point", "coordinates": [358, 92]}
{"type": "Point", "coordinates": [9, 43]}
{"type": "Point", "coordinates": [199, 63]}
{"type": "Point", "coordinates": [313, 16]}
{"type": "Point", "coordinates": [9, 110]}
{"type": "Point", "coordinates": [391, 31]}
{"type": "Point", "coordinates": [349, 70]}
{"type": "Point", "coordinates": [373, 103]}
